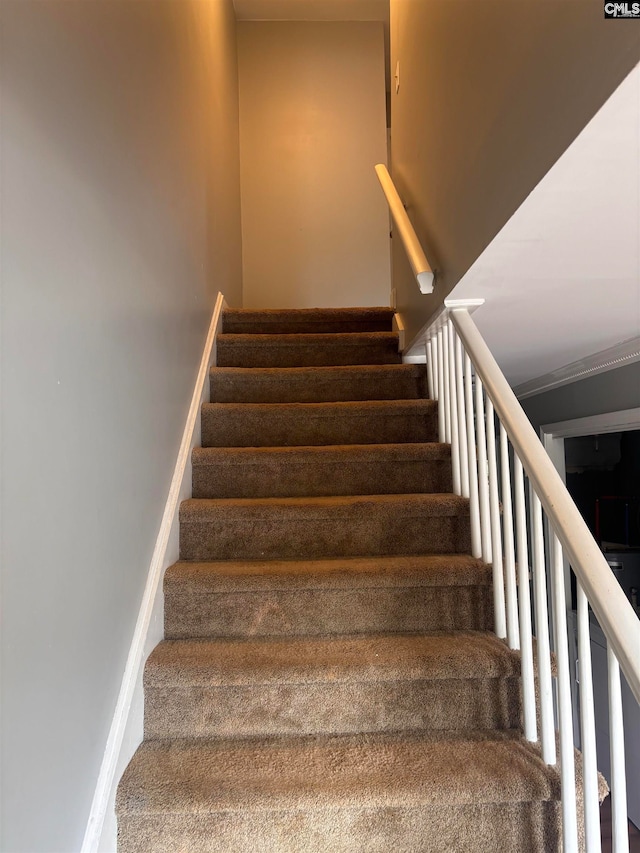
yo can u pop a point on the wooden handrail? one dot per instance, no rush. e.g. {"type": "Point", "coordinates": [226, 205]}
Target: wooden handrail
{"type": "Point", "coordinates": [417, 258]}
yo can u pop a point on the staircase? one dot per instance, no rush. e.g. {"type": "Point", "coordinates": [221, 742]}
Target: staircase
{"type": "Point", "coordinates": [329, 680]}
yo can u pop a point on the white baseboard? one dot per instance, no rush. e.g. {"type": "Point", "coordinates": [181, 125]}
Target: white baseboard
{"type": "Point", "coordinates": [125, 734]}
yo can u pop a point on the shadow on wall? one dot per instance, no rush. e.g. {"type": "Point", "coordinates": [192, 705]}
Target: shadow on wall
{"type": "Point", "coordinates": [491, 94]}
{"type": "Point", "coordinates": [116, 233]}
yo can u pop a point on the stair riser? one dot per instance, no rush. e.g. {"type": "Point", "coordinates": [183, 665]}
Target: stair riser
{"type": "Point", "coordinates": [327, 708]}
{"type": "Point", "coordinates": [504, 827]}
{"type": "Point", "coordinates": [298, 535]}
{"type": "Point", "coordinates": [313, 612]}
{"type": "Point", "coordinates": [300, 427]}
{"type": "Point", "coordinates": [288, 478]}
{"type": "Point", "coordinates": [287, 321]}
{"type": "Point", "coordinates": [241, 326]}
{"type": "Point", "coordinates": [270, 354]}
{"type": "Point", "coordinates": [406, 385]}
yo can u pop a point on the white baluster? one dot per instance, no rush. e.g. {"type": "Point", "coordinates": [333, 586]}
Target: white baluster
{"type": "Point", "coordinates": [483, 474]}
{"type": "Point", "coordinates": [446, 386]}
{"type": "Point", "coordinates": [620, 829]}
{"type": "Point", "coordinates": [440, 388]}
{"type": "Point", "coordinates": [462, 421]}
{"type": "Point", "coordinates": [565, 713]}
{"type": "Point", "coordinates": [496, 533]}
{"type": "Point", "coordinates": [588, 729]}
{"type": "Point", "coordinates": [542, 633]}
{"type": "Point", "coordinates": [524, 600]}
{"type": "Point", "coordinates": [474, 505]}
{"type": "Point", "coordinates": [513, 632]}
{"type": "Point", "coordinates": [430, 372]}
{"type": "Point", "coordinates": [453, 406]}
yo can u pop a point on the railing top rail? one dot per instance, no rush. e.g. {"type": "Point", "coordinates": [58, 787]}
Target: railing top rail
{"type": "Point", "coordinates": [417, 258]}
{"type": "Point", "coordinates": [607, 599]}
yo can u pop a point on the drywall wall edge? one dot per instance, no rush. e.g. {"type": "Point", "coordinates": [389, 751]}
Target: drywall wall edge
{"type": "Point", "coordinates": [126, 730]}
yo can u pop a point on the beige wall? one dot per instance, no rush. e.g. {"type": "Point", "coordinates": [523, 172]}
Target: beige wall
{"type": "Point", "coordinates": [491, 93]}
{"type": "Point", "coordinates": [119, 222]}
{"type": "Point", "coordinates": [312, 126]}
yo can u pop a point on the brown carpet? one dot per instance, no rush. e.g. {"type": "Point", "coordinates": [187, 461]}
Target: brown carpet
{"type": "Point", "coordinates": [317, 384]}
{"type": "Point", "coordinates": [312, 424]}
{"type": "Point", "coordinates": [276, 472]}
{"type": "Point", "coordinates": [308, 350]}
{"type": "Point", "coordinates": [329, 680]}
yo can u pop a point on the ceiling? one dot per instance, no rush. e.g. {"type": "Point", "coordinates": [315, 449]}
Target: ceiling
{"type": "Point", "coordinates": [319, 10]}
{"type": "Point", "coordinates": [312, 10]}
{"type": "Point", "coordinates": [561, 280]}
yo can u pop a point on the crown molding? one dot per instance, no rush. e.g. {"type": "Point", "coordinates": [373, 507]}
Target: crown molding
{"type": "Point", "coordinates": [626, 352]}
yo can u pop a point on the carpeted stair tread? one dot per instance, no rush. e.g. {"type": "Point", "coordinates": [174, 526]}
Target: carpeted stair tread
{"type": "Point", "coordinates": [508, 828]}
{"type": "Point", "coordinates": [331, 685]}
{"type": "Point", "coordinates": [428, 570]}
{"type": "Point", "coordinates": [316, 597]}
{"type": "Point", "coordinates": [317, 384]}
{"type": "Point", "coordinates": [291, 528]}
{"type": "Point", "coordinates": [312, 424]}
{"type": "Point", "coordinates": [320, 508]}
{"type": "Point", "coordinates": [471, 655]}
{"type": "Point", "coordinates": [304, 320]}
{"type": "Point", "coordinates": [230, 472]}
{"type": "Point", "coordinates": [356, 771]}
{"type": "Point", "coordinates": [307, 350]}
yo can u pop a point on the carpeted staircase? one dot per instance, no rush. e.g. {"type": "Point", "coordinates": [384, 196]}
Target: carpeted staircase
{"type": "Point", "coordinates": [329, 680]}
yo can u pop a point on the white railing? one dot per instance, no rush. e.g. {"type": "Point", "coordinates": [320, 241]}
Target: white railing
{"type": "Point", "coordinates": [417, 258]}
{"type": "Point", "coordinates": [525, 536]}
